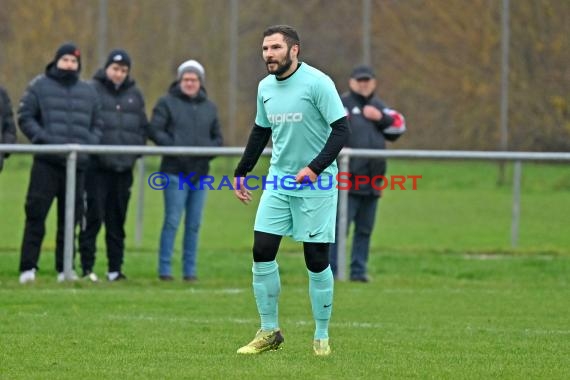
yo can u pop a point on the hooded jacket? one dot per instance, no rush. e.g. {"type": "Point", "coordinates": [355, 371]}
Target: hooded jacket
{"type": "Point", "coordinates": [58, 108]}
{"type": "Point", "coordinates": [124, 120]}
{"type": "Point", "coordinates": [179, 120]}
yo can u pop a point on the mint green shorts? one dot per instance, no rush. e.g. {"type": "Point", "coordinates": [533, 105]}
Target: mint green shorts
{"type": "Point", "coordinates": [304, 219]}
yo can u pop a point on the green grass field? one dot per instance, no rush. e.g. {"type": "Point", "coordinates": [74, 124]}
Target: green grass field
{"type": "Point", "coordinates": [449, 298]}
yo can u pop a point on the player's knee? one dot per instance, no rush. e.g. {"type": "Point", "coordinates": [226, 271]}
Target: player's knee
{"type": "Point", "coordinates": [265, 246]}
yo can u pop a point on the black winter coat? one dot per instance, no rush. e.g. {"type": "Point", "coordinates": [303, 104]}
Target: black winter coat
{"type": "Point", "coordinates": [124, 120]}
{"type": "Point", "coordinates": [56, 110]}
{"type": "Point", "coordinates": [178, 120]}
{"type": "Point", "coordinates": [7, 126]}
{"type": "Point", "coordinates": [366, 134]}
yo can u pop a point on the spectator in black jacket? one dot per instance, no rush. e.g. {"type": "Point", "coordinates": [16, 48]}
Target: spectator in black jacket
{"type": "Point", "coordinates": [110, 177]}
{"type": "Point", "coordinates": [7, 126]}
{"type": "Point", "coordinates": [372, 124]}
{"type": "Point", "coordinates": [57, 108]}
{"type": "Point", "coordinates": [184, 117]}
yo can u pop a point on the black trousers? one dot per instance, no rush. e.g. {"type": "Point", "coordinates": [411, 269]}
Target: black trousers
{"type": "Point", "coordinates": [108, 195]}
{"type": "Point", "coordinates": [47, 181]}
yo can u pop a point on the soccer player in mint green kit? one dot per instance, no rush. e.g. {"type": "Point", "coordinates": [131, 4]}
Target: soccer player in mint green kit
{"type": "Point", "coordinates": [299, 107]}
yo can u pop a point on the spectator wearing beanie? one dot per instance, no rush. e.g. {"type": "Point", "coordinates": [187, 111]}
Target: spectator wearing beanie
{"type": "Point", "coordinates": [184, 116]}
{"type": "Point", "coordinates": [110, 177]}
{"type": "Point", "coordinates": [57, 108]}
{"type": "Point", "coordinates": [192, 66]}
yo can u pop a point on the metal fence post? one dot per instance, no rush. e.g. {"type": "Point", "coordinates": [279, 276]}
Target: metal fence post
{"type": "Point", "coordinates": [69, 232]}
{"type": "Point", "coordinates": [504, 104]}
{"type": "Point", "coordinates": [366, 31]}
{"type": "Point", "coordinates": [516, 203]}
{"type": "Point", "coordinates": [140, 203]}
{"type": "Point", "coordinates": [342, 221]}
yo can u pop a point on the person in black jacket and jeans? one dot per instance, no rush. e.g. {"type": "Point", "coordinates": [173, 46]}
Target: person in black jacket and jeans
{"type": "Point", "coordinates": [372, 124]}
{"type": "Point", "coordinates": [7, 126]}
{"type": "Point", "coordinates": [110, 177]}
{"type": "Point", "coordinates": [57, 108]}
{"type": "Point", "coordinates": [184, 117]}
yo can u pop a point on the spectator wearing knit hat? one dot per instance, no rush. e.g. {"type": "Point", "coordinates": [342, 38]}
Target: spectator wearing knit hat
{"type": "Point", "coordinates": [56, 108]}
{"type": "Point", "coordinates": [184, 117]}
{"type": "Point", "coordinates": [110, 177]}
{"type": "Point", "coordinates": [192, 66]}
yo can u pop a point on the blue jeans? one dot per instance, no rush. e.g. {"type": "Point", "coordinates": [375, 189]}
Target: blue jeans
{"type": "Point", "coordinates": [177, 201]}
{"type": "Point", "coordinates": [361, 211]}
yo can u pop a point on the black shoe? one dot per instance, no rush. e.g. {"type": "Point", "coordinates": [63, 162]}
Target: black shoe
{"type": "Point", "coordinates": [165, 277]}
{"type": "Point", "coordinates": [190, 278]}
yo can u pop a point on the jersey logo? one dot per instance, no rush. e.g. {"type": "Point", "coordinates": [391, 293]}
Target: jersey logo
{"type": "Point", "coordinates": [266, 100]}
{"type": "Point", "coordinates": [356, 110]}
{"type": "Point", "coordinates": [289, 117]}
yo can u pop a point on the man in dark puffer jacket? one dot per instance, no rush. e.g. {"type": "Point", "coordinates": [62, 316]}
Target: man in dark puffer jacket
{"type": "Point", "coordinates": [184, 117]}
{"type": "Point", "coordinates": [110, 177]}
{"type": "Point", "coordinates": [57, 108]}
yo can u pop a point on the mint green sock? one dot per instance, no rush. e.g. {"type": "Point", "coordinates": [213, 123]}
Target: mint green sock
{"type": "Point", "coordinates": [266, 289]}
{"type": "Point", "coordinates": [321, 288]}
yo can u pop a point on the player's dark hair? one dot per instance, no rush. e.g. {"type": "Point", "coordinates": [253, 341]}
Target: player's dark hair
{"type": "Point", "coordinates": [289, 34]}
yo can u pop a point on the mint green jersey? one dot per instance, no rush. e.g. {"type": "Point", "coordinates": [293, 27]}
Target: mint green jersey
{"type": "Point", "coordinates": [299, 111]}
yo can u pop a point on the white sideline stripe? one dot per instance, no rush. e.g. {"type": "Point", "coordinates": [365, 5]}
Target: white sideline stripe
{"type": "Point", "coordinates": [94, 289]}
{"type": "Point", "coordinates": [344, 325]}
{"type": "Point", "coordinates": [498, 256]}
{"type": "Point", "coordinates": [302, 289]}
{"type": "Point", "coordinates": [347, 325]}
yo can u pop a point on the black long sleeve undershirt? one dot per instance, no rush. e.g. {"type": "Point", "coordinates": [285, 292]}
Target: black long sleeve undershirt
{"type": "Point", "coordinates": [333, 146]}
{"type": "Point", "coordinates": [258, 139]}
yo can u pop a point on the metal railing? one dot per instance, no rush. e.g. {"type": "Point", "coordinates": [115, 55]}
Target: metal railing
{"type": "Point", "coordinates": [71, 150]}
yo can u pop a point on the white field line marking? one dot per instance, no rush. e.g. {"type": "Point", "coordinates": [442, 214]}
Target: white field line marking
{"type": "Point", "coordinates": [94, 289]}
{"type": "Point", "coordinates": [342, 325]}
{"type": "Point", "coordinates": [498, 256]}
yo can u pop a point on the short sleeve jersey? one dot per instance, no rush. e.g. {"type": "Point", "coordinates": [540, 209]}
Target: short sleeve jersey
{"type": "Point", "coordinates": [299, 111]}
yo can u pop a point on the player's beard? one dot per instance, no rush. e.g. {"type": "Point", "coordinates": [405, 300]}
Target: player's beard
{"type": "Point", "coordinates": [282, 66]}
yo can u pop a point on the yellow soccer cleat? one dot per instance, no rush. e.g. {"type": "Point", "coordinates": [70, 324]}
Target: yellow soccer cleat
{"type": "Point", "coordinates": [321, 347]}
{"type": "Point", "coordinates": [263, 341]}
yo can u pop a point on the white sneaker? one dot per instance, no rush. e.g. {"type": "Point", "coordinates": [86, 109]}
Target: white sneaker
{"type": "Point", "coordinates": [28, 276]}
{"type": "Point", "coordinates": [61, 276]}
{"type": "Point", "coordinates": [91, 277]}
